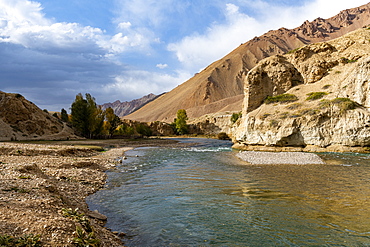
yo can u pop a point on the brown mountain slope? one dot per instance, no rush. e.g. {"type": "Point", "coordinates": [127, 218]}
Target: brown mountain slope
{"type": "Point", "coordinates": [20, 119]}
{"type": "Point", "coordinates": [220, 84]}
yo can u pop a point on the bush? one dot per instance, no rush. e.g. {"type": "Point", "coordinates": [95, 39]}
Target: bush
{"type": "Point", "coordinates": [294, 106]}
{"type": "Point", "coordinates": [223, 136]}
{"type": "Point", "coordinates": [316, 95]}
{"type": "Point", "coordinates": [143, 130]}
{"type": "Point", "coordinates": [282, 98]}
{"type": "Point", "coordinates": [235, 116]}
{"type": "Point", "coordinates": [344, 104]}
{"type": "Point", "coordinates": [25, 240]}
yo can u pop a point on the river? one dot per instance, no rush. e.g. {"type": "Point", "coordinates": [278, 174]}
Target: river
{"type": "Point", "coordinates": [205, 196]}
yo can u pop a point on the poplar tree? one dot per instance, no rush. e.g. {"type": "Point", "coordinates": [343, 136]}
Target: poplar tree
{"type": "Point", "coordinates": [79, 115]}
{"type": "Point", "coordinates": [113, 121]}
{"type": "Point", "coordinates": [180, 122]}
{"type": "Point", "coordinates": [64, 115]}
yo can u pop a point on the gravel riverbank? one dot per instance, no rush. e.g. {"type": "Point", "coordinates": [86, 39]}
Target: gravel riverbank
{"type": "Point", "coordinates": [267, 158]}
{"type": "Point", "coordinates": [43, 189]}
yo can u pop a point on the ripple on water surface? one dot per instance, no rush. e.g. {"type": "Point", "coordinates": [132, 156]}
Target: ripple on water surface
{"type": "Point", "coordinates": [195, 197]}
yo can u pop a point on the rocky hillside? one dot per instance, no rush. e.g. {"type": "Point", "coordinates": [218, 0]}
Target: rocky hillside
{"type": "Point", "coordinates": [315, 97]}
{"type": "Point", "coordinates": [122, 109]}
{"type": "Point", "coordinates": [219, 87]}
{"type": "Point", "coordinates": [20, 119]}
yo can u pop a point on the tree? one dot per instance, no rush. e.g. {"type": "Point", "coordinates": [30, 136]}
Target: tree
{"type": "Point", "coordinates": [64, 115]}
{"type": "Point", "coordinates": [79, 115]}
{"type": "Point", "coordinates": [113, 121]}
{"type": "Point", "coordinates": [86, 117]}
{"type": "Point", "coordinates": [143, 129]}
{"type": "Point", "coordinates": [180, 122]}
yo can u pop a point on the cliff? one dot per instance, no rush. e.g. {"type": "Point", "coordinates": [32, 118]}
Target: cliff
{"type": "Point", "coordinates": [20, 119]}
{"type": "Point", "coordinates": [316, 97]}
{"type": "Point", "coordinates": [219, 87]}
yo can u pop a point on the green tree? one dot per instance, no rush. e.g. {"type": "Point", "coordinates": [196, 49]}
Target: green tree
{"type": "Point", "coordinates": [143, 130]}
{"type": "Point", "coordinates": [79, 115]}
{"type": "Point", "coordinates": [64, 115]}
{"type": "Point", "coordinates": [113, 121]}
{"type": "Point", "coordinates": [95, 117]}
{"type": "Point", "coordinates": [86, 117]}
{"type": "Point", "coordinates": [180, 122]}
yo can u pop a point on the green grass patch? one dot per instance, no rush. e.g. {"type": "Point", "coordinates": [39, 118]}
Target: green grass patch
{"type": "Point", "coordinates": [282, 98]}
{"type": "Point", "coordinates": [316, 95]}
{"type": "Point", "coordinates": [344, 104]}
{"type": "Point", "coordinates": [25, 240]}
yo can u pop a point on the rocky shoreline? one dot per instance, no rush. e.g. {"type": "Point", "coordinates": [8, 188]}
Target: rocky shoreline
{"type": "Point", "coordinates": [43, 189]}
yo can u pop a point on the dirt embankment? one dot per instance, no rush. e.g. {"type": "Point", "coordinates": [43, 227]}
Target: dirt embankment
{"type": "Point", "coordinates": [43, 189]}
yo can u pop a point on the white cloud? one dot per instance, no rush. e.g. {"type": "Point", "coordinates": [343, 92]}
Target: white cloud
{"type": "Point", "coordinates": [162, 66]}
{"type": "Point", "coordinates": [23, 22]}
{"type": "Point", "coordinates": [199, 50]}
{"type": "Point", "coordinates": [138, 83]}
{"type": "Point", "coordinates": [124, 25]}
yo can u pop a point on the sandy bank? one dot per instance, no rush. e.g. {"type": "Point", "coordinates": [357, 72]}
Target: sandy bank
{"type": "Point", "coordinates": [293, 158]}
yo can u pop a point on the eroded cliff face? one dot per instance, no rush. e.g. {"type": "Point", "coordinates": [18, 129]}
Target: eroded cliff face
{"type": "Point", "coordinates": [335, 74]}
{"type": "Point", "coordinates": [20, 119]}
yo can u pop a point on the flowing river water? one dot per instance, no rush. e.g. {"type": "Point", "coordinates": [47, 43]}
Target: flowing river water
{"type": "Point", "coordinates": [205, 196]}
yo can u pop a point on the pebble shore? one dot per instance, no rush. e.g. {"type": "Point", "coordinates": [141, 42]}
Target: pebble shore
{"type": "Point", "coordinates": [277, 158]}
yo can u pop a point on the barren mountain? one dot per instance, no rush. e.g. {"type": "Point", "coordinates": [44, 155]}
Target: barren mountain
{"type": "Point", "coordinates": [219, 87]}
{"type": "Point", "coordinates": [20, 119]}
{"type": "Point", "coordinates": [122, 109]}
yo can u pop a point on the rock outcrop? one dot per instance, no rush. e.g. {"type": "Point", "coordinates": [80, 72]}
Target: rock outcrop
{"type": "Point", "coordinates": [20, 119]}
{"type": "Point", "coordinates": [328, 104]}
{"type": "Point", "coordinates": [221, 83]}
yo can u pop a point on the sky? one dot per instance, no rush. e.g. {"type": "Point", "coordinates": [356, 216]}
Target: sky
{"type": "Point", "coordinates": [51, 50]}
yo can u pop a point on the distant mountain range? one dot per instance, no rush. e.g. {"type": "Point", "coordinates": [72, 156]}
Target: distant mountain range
{"type": "Point", "coordinates": [219, 87]}
{"type": "Point", "coordinates": [122, 109]}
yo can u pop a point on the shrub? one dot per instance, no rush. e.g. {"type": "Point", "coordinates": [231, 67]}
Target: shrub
{"type": "Point", "coordinates": [282, 98]}
{"type": "Point", "coordinates": [284, 115]}
{"type": "Point", "coordinates": [326, 86]}
{"type": "Point", "coordinates": [307, 111]}
{"type": "Point", "coordinates": [223, 136]}
{"type": "Point", "coordinates": [264, 116]}
{"type": "Point", "coordinates": [235, 116]}
{"type": "Point", "coordinates": [294, 106]}
{"type": "Point", "coordinates": [315, 95]}
{"type": "Point", "coordinates": [143, 130]}
{"type": "Point", "coordinates": [25, 240]}
{"type": "Point", "coordinates": [344, 104]}
{"type": "Point", "coordinates": [274, 123]}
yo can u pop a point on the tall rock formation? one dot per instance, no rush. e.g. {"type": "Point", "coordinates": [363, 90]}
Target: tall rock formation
{"type": "Point", "coordinates": [219, 87]}
{"type": "Point", "coordinates": [317, 97]}
{"type": "Point", "coordinates": [20, 119]}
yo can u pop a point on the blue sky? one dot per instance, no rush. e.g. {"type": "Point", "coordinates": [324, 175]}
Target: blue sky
{"type": "Point", "coordinates": [51, 50]}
